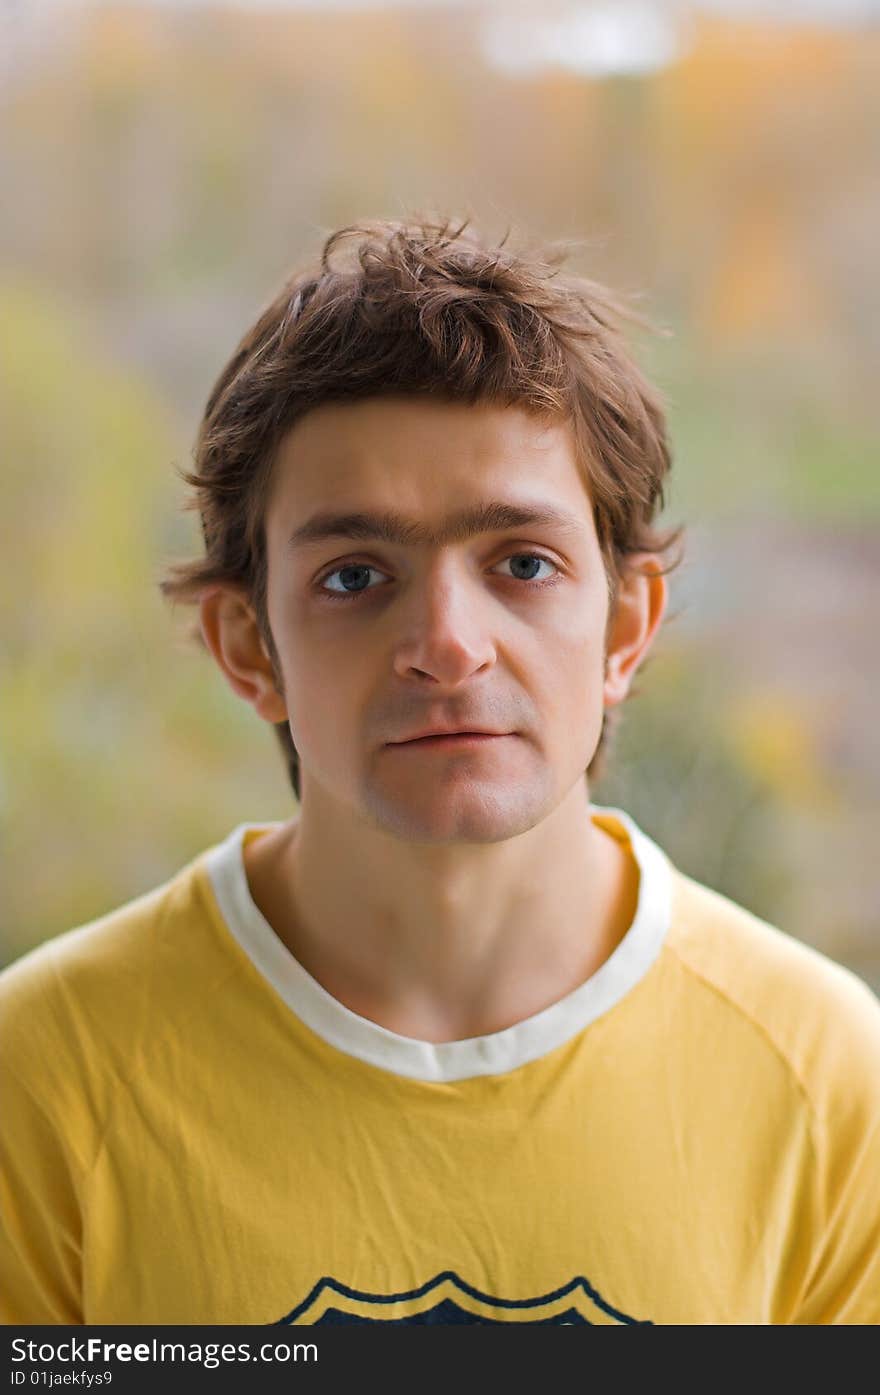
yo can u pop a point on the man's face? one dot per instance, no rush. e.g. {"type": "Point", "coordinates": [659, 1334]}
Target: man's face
{"type": "Point", "coordinates": [497, 625]}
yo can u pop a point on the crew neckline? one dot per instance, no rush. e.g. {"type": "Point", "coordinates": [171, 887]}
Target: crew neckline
{"type": "Point", "coordinates": [493, 1054]}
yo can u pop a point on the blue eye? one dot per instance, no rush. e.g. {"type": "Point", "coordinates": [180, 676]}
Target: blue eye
{"type": "Point", "coordinates": [529, 559]}
{"type": "Point", "coordinates": [354, 577]}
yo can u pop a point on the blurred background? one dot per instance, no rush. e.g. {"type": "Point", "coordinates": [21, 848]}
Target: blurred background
{"type": "Point", "coordinates": [163, 165]}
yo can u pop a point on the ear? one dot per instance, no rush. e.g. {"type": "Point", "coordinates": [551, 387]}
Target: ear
{"type": "Point", "coordinates": [230, 630]}
{"type": "Point", "coordinates": [638, 611]}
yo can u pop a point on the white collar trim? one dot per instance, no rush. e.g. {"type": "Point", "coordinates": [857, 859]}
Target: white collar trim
{"type": "Point", "coordinates": [494, 1054]}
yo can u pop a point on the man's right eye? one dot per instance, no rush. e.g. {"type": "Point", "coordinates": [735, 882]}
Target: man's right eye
{"type": "Point", "coordinates": [353, 581]}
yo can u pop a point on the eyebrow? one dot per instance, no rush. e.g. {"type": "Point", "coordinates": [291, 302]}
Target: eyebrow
{"type": "Point", "coordinates": [392, 527]}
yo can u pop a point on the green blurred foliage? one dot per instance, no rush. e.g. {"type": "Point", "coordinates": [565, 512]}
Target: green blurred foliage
{"type": "Point", "coordinates": [117, 749]}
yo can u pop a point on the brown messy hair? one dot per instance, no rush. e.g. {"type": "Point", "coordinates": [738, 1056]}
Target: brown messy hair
{"type": "Point", "coordinates": [425, 306]}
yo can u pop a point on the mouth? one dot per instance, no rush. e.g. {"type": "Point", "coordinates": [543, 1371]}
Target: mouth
{"type": "Point", "coordinates": [449, 740]}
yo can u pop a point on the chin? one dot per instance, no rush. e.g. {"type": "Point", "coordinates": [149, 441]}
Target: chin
{"type": "Point", "coordinates": [441, 817]}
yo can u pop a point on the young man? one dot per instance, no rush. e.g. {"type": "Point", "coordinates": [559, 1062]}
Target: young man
{"type": "Point", "coordinates": [452, 1044]}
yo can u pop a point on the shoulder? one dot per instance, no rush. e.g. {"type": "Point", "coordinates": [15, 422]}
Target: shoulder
{"type": "Point", "coordinates": [818, 1017]}
{"type": "Point", "coordinates": [92, 986]}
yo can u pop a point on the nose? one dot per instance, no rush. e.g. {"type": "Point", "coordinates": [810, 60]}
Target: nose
{"type": "Point", "coordinates": [444, 635]}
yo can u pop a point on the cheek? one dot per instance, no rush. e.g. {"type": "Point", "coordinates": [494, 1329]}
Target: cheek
{"type": "Point", "coordinates": [576, 644]}
{"type": "Point", "coordinates": [320, 668]}
{"type": "Point", "coordinates": [571, 669]}
{"type": "Point", "coordinates": [322, 686]}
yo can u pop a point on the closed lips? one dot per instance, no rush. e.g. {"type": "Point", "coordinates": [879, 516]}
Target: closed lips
{"type": "Point", "coordinates": [424, 735]}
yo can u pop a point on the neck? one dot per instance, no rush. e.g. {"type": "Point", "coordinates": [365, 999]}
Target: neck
{"type": "Point", "coordinates": [446, 942]}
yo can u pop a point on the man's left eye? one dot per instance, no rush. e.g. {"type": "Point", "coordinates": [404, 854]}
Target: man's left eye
{"type": "Point", "coordinates": [525, 565]}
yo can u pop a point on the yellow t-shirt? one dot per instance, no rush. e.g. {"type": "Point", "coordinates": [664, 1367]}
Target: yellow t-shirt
{"type": "Point", "coordinates": [194, 1131]}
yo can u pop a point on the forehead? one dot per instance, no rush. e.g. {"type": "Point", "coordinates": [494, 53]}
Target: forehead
{"type": "Point", "coordinates": [427, 460]}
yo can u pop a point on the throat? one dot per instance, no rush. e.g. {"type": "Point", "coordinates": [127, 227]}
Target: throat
{"type": "Point", "coordinates": [441, 988]}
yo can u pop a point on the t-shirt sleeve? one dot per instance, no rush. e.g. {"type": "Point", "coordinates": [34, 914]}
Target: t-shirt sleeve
{"type": "Point", "coordinates": [844, 1285]}
{"type": "Point", "coordinates": [62, 1006]}
{"type": "Point", "coordinates": [40, 1214]}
